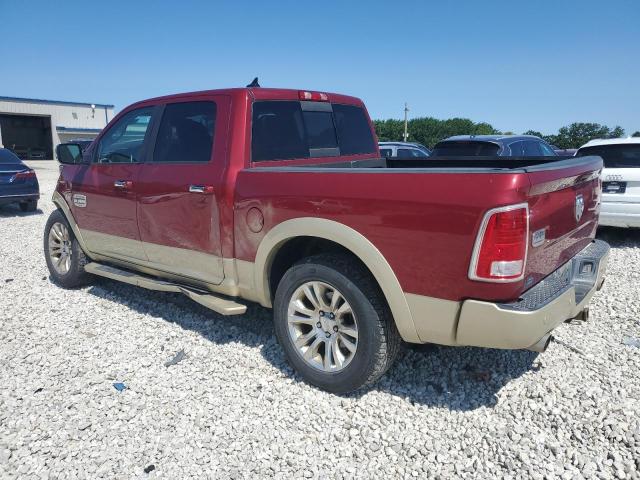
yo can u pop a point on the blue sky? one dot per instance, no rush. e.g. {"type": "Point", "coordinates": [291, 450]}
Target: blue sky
{"type": "Point", "coordinates": [517, 65]}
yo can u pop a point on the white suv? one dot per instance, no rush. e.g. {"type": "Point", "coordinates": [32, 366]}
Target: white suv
{"type": "Point", "coordinates": [620, 180]}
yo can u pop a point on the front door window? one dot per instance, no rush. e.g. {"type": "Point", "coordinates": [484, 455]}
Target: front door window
{"type": "Point", "coordinates": [123, 143]}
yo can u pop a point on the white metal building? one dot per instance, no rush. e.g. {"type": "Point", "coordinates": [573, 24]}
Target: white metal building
{"type": "Point", "coordinates": [33, 128]}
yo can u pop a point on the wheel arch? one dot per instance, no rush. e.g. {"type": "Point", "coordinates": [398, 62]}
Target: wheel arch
{"type": "Point", "coordinates": [350, 240]}
{"type": "Point", "coordinates": [63, 206]}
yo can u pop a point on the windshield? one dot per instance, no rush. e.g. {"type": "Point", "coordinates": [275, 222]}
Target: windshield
{"type": "Point", "coordinates": [6, 156]}
{"type": "Point", "coordinates": [615, 156]}
{"type": "Point", "coordinates": [465, 149]}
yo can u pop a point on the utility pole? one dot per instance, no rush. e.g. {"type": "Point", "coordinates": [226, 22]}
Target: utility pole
{"type": "Point", "coordinates": [406, 133]}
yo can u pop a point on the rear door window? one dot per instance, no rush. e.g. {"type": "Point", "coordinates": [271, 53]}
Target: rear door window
{"type": "Point", "coordinates": [186, 133]}
{"type": "Point", "coordinates": [386, 152]}
{"type": "Point", "coordinates": [615, 156]}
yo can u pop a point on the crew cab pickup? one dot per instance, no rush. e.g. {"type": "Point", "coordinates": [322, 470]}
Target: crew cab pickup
{"type": "Point", "coordinates": [280, 197]}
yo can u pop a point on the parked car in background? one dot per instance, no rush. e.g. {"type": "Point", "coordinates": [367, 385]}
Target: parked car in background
{"type": "Point", "coordinates": [28, 153]}
{"type": "Point", "coordinates": [491, 145]}
{"type": "Point", "coordinates": [280, 197]}
{"type": "Point", "coordinates": [403, 150]}
{"type": "Point", "coordinates": [620, 180]}
{"type": "Point", "coordinates": [564, 152]}
{"type": "Point", "coordinates": [18, 183]}
{"type": "Point", "coordinates": [426, 149]}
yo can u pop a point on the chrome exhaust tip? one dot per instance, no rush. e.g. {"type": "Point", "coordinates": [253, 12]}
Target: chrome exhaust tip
{"type": "Point", "coordinates": [542, 344]}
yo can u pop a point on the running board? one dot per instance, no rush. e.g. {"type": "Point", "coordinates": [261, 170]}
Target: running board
{"type": "Point", "coordinates": [213, 302]}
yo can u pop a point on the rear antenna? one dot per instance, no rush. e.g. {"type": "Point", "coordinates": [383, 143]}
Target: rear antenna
{"type": "Point", "coordinates": [254, 84]}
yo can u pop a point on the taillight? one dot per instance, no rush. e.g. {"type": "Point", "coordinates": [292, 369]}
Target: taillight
{"type": "Point", "coordinates": [26, 175]}
{"type": "Point", "coordinates": [313, 96]}
{"type": "Point", "coordinates": [500, 252]}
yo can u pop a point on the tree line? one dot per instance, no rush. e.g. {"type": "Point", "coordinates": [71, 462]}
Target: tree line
{"type": "Point", "coordinates": [428, 131]}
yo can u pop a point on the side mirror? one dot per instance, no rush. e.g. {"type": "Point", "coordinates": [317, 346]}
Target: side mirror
{"type": "Point", "coordinates": [69, 153]}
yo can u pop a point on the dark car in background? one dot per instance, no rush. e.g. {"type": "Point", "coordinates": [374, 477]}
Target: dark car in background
{"type": "Point", "coordinates": [564, 152]}
{"type": "Point", "coordinates": [18, 182]}
{"type": "Point", "coordinates": [491, 145]}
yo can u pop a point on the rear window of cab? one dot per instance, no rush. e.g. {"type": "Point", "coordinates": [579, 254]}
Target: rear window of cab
{"type": "Point", "coordinates": [286, 130]}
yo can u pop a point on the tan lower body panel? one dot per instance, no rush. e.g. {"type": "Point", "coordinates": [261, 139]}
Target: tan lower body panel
{"type": "Point", "coordinates": [420, 319]}
{"type": "Point", "coordinates": [114, 246]}
{"type": "Point", "coordinates": [485, 324]}
{"type": "Point", "coordinates": [199, 266]}
{"type": "Point", "coordinates": [436, 320]}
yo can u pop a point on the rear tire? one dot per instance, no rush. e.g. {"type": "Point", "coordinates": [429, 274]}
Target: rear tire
{"type": "Point", "coordinates": [334, 324]}
{"type": "Point", "coordinates": [65, 258]}
{"type": "Point", "coordinates": [29, 206]}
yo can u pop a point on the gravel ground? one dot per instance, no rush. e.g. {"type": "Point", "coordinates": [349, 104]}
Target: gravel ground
{"type": "Point", "coordinates": [232, 408]}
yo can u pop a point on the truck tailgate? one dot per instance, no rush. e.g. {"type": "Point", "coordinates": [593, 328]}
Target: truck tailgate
{"type": "Point", "coordinates": [564, 204]}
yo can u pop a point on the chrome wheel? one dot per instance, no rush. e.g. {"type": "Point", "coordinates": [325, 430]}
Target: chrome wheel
{"type": "Point", "coordinates": [322, 326]}
{"type": "Point", "coordinates": [60, 248]}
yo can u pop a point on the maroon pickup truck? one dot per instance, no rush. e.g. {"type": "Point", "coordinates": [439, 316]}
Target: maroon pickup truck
{"type": "Point", "coordinates": [280, 197]}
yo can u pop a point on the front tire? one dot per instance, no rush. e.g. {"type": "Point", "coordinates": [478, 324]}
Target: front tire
{"type": "Point", "coordinates": [334, 324]}
{"type": "Point", "coordinates": [62, 251]}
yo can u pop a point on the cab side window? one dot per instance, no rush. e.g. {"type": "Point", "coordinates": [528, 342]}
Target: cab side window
{"type": "Point", "coordinates": [547, 151]}
{"type": "Point", "coordinates": [532, 149]}
{"type": "Point", "coordinates": [123, 142]}
{"type": "Point", "coordinates": [517, 149]}
{"type": "Point", "coordinates": [186, 133]}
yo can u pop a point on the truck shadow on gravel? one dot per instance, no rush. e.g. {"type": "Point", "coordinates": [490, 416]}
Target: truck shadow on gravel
{"type": "Point", "coordinates": [459, 379]}
{"type": "Point", "coordinates": [620, 237]}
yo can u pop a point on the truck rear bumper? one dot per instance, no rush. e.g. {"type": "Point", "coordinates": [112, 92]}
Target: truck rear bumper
{"type": "Point", "coordinates": [521, 324]}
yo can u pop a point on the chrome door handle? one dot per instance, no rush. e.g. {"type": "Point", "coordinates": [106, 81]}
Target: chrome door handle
{"type": "Point", "coordinates": [123, 184]}
{"type": "Point", "coordinates": [200, 189]}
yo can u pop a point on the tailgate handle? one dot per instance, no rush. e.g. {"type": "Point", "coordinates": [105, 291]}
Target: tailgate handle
{"type": "Point", "coordinates": [200, 189]}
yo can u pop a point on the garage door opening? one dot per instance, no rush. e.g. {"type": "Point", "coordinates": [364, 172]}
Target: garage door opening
{"type": "Point", "coordinates": [29, 136]}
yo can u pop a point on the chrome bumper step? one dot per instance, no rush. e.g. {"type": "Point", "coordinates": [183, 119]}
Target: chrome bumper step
{"type": "Point", "coordinates": [218, 304]}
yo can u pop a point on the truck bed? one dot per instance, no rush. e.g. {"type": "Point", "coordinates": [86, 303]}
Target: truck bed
{"type": "Point", "coordinates": [424, 215]}
{"type": "Point", "coordinates": [442, 164]}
